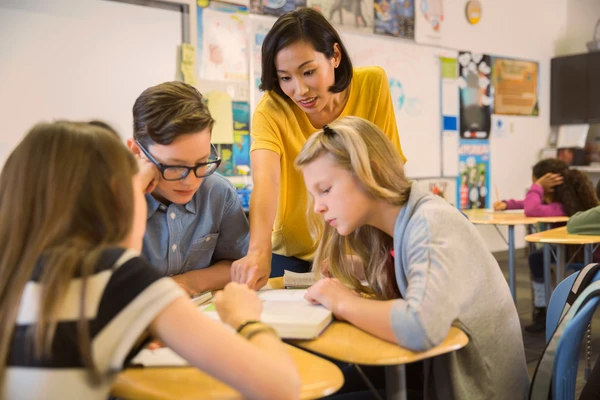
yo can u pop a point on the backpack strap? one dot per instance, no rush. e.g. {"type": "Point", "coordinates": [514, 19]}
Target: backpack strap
{"type": "Point", "coordinates": [541, 385]}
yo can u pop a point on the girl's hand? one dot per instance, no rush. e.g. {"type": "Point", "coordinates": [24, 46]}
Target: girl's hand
{"type": "Point", "coordinates": [237, 303]}
{"type": "Point", "coordinates": [331, 293]}
{"type": "Point", "coordinates": [549, 181]}
{"type": "Point", "coordinates": [500, 206]}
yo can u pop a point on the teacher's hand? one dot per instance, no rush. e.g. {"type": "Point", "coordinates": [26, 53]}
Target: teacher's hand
{"type": "Point", "coordinates": [253, 270]}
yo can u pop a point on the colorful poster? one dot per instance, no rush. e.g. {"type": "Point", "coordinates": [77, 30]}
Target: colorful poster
{"type": "Point", "coordinates": [474, 174]}
{"type": "Point", "coordinates": [430, 16]}
{"type": "Point", "coordinates": [351, 14]}
{"type": "Point", "coordinates": [222, 44]}
{"type": "Point", "coordinates": [275, 7]}
{"type": "Point", "coordinates": [226, 153]}
{"type": "Point", "coordinates": [475, 101]}
{"type": "Point", "coordinates": [515, 85]}
{"type": "Point", "coordinates": [395, 18]}
{"type": "Point", "coordinates": [443, 187]}
{"type": "Point", "coordinates": [259, 29]}
{"type": "Point", "coordinates": [241, 138]}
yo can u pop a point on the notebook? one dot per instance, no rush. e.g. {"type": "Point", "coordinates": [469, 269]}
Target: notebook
{"type": "Point", "coordinates": [298, 280]}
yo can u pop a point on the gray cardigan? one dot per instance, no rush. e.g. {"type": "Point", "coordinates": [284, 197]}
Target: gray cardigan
{"type": "Point", "coordinates": [447, 276]}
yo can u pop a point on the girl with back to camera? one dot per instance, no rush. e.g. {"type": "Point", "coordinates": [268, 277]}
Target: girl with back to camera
{"type": "Point", "coordinates": [556, 190]}
{"type": "Point", "coordinates": [309, 81]}
{"type": "Point", "coordinates": [441, 267]}
{"type": "Point", "coordinates": [77, 302]}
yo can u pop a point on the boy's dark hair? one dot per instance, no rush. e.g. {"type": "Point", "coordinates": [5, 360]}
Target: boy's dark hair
{"type": "Point", "coordinates": [104, 125]}
{"type": "Point", "coordinates": [576, 193]}
{"type": "Point", "coordinates": [164, 112]}
{"type": "Point", "coordinates": [308, 25]}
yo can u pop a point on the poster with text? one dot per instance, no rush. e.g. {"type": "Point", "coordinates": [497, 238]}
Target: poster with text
{"type": "Point", "coordinates": [395, 18]}
{"type": "Point", "coordinates": [515, 85]}
{"type": "Point", "coordinates": [474, 174]}
{"type": "Point", "coordinates": [475, 101]}
{"type": "Point", "coordinates": [222, 44]}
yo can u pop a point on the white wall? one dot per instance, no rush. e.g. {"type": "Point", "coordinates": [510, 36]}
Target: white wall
{"type": "Point", "coordinates": [582, 16]}
{"type": "Point", "coordinates": [80, 59]}
{"type": "Point", "coordinates": [528, 29]}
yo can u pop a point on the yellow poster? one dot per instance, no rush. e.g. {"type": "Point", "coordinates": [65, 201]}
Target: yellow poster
{"type": "Point", "coordinates": [221, 109]}
{"type": "Point", "coordinates": [515, 85]}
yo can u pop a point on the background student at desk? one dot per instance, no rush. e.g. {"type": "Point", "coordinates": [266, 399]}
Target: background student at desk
{"type": "Point", "coordinates": [556, 190]}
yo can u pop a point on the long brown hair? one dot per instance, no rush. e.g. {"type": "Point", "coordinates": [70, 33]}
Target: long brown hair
{"type": "Point", "coordinates": [361, 148]}
{"type": "Point", "coordinates": [576, 193]}
{"type": "Point", "coordinates": [66, 194]}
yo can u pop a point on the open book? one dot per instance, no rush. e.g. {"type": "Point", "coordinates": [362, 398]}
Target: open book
{"type": "Point", "coordinates": [289, 314]}
{"type": "Point", "coordinates": [298, 280]}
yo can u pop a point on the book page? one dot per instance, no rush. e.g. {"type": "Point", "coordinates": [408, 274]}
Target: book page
{"type": "Point", "coordinates": [283, 295]}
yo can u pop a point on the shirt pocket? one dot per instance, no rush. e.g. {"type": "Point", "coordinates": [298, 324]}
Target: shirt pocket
{"type": "Point", "coordinates": [201, 252]}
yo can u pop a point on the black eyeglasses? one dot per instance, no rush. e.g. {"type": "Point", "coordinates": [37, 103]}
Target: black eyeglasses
{"type": "Point", "coordinates": [178, 172]}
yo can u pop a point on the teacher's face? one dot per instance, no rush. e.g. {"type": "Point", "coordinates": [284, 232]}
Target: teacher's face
{"type": "Point", "coordinates": [305, 75]}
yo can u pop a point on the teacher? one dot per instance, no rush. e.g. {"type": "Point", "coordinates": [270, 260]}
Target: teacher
{"type": "Point", "coordinates": [309, 82]}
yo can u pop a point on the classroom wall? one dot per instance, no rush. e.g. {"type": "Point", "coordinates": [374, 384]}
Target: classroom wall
{"type": "Point", "coordinates": [582, 16]}
{"type": "Point", "coordinates": [524, 29]}
{"type": "Point", "coordinates": [80, 59]}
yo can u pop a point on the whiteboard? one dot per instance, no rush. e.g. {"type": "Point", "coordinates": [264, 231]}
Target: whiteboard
{"type": "Point", "coordinates": [80, 59]}
{"type": "Point", "coordinates": [414, 75]}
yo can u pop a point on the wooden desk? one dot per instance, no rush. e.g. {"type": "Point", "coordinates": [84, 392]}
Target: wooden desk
{"type": "Point", "coordinates": [345, 342]}
{"type": "Point", "coordinates": [560, 237]}
{"type": "Point", "coordinates": [319, 378]}
{"type": "Point", "coordinates": [510, 219]}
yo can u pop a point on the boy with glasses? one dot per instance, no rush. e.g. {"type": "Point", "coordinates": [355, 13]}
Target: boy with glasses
{"type": "Point", "coordinates": [196, 226]}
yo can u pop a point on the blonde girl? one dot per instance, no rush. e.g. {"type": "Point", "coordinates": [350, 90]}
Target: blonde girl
{"type": "Point", "coordinates": [441, 275]}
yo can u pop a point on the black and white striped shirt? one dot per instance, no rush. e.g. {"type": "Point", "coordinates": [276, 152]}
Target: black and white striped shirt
{"type": "Point", "coordinates": [123, 297]}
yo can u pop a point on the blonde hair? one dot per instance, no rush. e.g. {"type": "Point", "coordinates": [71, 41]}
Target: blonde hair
{"type": "Point", "coordinates": [361, 148]}
{"type": "Point", "coordinates": [66, 193]}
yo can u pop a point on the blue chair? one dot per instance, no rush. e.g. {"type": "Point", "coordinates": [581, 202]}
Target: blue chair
{"type": "Point", "coordinates": [566, 360]}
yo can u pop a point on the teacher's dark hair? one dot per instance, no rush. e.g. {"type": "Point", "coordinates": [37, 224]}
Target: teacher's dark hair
{"type": "Point", "coordinates": [310, 26]}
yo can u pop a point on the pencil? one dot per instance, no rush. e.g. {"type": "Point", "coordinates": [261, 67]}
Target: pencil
{"type": "Point", "coordinates": [496, 190]}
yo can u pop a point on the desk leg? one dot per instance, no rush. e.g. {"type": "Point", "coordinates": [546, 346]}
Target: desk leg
{"type": "Point", "coordinates": [512, 276]}
{"type": "Point", "coordinates": [547, 271]}
{"type": "Point", "coordinates": [395, 382]}
{"type": "Point", "coordinates": [560, 263]}
{"type": "Point", "coordinates": [588, 253]}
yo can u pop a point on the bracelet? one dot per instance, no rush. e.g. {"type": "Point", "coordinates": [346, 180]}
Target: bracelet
{"type": "Point", "coordinates": [246, 323]}
{"type": "Point", "coordinates": [249, 331]}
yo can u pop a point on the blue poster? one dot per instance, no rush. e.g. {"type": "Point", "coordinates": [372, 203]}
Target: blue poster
{"type": "Point", "coordinates": [241, 137]}
{"type": "Point", "coordinates": [474, 174]}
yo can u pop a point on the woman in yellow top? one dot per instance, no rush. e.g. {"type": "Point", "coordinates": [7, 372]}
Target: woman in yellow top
{"type": "Point", "coordinates": [309, 82]}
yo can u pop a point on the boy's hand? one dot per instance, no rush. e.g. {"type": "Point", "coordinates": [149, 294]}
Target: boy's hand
{"type": "Point", "coordinates": [253, 270]}
{"type": "Point", "coordinates": [149, 174]}
{"type": "Point", "coordinates": [500, 206]}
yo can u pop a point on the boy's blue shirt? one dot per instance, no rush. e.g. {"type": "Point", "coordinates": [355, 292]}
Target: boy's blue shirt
{"type": "Point", "coordinates": [185, 237]}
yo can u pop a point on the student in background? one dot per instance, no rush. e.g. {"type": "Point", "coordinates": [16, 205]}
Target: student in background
{"type": "Point", "coordinates": [196, 225]}
{"type": "Point", "coordinates": [441, 265]}
{"type": "Point", "coordinates": [309, 82]}
{"type": "Point", "coordinates": [77, 299]}
{"type": "Point", "coordinates": [556, 191]}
